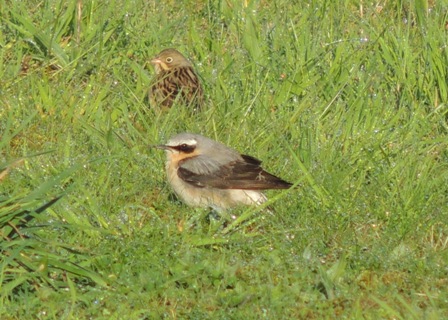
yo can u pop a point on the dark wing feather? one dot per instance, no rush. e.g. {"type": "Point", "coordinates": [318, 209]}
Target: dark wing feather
{"type": "Point", "coordinates": [245, 174]}
{"type": "Point", "coordinates": [251, 160]}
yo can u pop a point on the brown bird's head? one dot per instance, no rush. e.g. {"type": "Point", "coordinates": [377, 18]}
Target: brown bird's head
{"type": "Point", "coordinates": [169, 59]}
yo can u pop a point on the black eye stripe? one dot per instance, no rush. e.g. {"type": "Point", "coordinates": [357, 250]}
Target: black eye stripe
{"type": "Point", "coordinates": [187, 148]}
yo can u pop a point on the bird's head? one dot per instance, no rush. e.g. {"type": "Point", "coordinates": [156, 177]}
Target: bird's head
{"type": "Point", "coordinates": [169, 59]}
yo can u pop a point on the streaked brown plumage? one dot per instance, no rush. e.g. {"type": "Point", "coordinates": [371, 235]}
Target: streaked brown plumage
{"type": "Point", "coordinates": [175, 80]}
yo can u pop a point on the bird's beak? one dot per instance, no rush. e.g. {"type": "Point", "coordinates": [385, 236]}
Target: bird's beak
{"type": "Point", "coordinates": [159, 65]}
{"type": "Point", "coordinates": [160, 146]}
{"type": "Point", "coordinates": [156, 61]}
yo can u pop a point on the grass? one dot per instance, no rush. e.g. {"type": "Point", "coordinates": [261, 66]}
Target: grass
{"type": "Point", "coordinates": [349, 102]}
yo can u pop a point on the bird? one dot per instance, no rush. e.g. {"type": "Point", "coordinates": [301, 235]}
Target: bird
{"type": "Point", "coordinates": [206, 173]}
{"type": "Point", "coordinates": [175, 80]}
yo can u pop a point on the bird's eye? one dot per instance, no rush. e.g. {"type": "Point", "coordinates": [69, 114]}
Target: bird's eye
{"type": "Point", "coordinates": [169, 60]}
{"type": "Point", "coordinates": [187, 148]}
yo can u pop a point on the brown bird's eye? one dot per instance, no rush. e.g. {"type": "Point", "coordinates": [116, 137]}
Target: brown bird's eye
{"type": "Point", "coordinates": [169, 60]}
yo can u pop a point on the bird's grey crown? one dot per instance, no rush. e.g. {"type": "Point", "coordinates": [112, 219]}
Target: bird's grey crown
{"type": "Point", "coordinates": [188, 142]}
{"type": "Point", "coordinates": [204, 145]}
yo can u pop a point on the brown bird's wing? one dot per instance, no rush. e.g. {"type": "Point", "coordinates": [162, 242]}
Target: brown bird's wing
{"type": "Point", "coordinates": [245, 174]}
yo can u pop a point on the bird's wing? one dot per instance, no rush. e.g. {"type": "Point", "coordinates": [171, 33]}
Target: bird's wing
{"type": "Point", "coordinates": [245, 173]}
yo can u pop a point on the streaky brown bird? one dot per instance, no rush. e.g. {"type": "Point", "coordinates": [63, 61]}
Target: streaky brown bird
{"type": "Point", "coordinates": [175, 81]}
{"type": "Point", "coordinates": [206, 173]}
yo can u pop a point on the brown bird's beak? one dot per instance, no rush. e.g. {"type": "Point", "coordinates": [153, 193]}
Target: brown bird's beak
{"type": "Point", "coordinates": [156, 61]}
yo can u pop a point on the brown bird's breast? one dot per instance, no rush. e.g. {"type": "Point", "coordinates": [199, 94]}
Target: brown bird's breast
{"type": "Point", "coordinates": [183, 82]}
